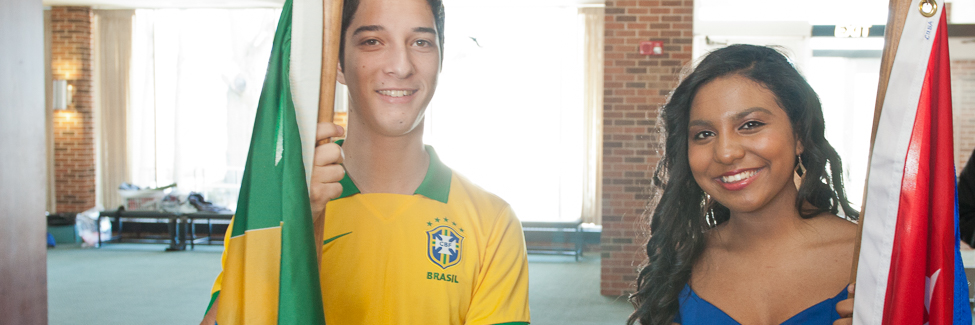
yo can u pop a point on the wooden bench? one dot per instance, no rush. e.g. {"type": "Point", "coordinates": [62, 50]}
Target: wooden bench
{"type": "Point", "coordinates": [175, 233]}
{"type": "Point", "coordinates": [209, 217]}
{"type": "Point", "coordinates": [181, 226]}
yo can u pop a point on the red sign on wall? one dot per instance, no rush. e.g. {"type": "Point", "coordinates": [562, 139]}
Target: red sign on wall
{"type": "Point", "coordinates": [652, 47]}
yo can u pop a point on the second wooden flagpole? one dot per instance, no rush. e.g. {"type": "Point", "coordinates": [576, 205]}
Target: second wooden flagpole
{"type": "Point", "coordinates": [331, 36]}
{"type": "Point", "coordinates": [896, 18]}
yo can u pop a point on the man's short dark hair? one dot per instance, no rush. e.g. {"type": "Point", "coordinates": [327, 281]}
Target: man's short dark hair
{"type": "Point", "coordinates": [350, 7]}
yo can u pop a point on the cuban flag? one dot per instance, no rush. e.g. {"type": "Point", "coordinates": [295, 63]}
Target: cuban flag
{"type": "Point", "coordinates": [910, 269]}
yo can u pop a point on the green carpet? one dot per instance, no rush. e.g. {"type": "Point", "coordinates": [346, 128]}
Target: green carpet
{"type": "Point", "coordinates": [142, 284]}
{"type": "Point", "coordinates": [562, 291]}
{"type": "Point", "coordinates": [129, 284]}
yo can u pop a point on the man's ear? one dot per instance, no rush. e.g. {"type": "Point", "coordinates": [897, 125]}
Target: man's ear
{"type": "Point", "coordinates": [339, 75]}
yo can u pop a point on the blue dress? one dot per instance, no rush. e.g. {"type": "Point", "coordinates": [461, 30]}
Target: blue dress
{"type": "Point", "coordinates": [695, 310]}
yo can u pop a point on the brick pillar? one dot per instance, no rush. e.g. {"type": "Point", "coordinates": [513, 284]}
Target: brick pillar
{"type": "Point", "coordinates": [74, 146]}
{"type": "Point", "coordinates": [963, 105]}
{"type": "Point", "coordinates": [635, 87]}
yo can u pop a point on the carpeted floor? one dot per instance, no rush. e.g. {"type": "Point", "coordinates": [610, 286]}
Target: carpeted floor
{"type": "Point", "coordinates": [142, 284]}
{"type": "Point", "coordinates": [562, 291]}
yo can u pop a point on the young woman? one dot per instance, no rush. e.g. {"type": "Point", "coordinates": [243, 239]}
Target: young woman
{"type": "Point", "coordinates": [745, 227]}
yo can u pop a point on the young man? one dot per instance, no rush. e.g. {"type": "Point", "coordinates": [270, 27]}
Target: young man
{"type": "Point", "coordinates": [406, 240]}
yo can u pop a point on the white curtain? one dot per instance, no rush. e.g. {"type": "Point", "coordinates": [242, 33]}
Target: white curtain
{"type": "Point", "coordinates": [197, 78]}
{"type": "Point", "coordinates": [592, 181]}
{"type": "Point", "coordinates": [112, 53]}
{"type": "Point", "coordinates": [49, 114]}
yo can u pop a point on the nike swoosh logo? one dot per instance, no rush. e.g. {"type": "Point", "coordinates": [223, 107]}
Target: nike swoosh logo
{"type": "Point", "coordinates": [334, 238]}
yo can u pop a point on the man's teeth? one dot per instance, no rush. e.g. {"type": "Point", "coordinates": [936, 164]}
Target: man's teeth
{"type": "Point", "coordinates": [739, 176]}
{"type": "Point", "coordinates": [396, 93]}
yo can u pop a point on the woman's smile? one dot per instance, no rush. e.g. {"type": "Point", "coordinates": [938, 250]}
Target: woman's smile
{"type": "Point", "coordinates": [737, 179]}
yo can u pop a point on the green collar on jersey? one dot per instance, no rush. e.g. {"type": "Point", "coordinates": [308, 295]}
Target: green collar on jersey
{"type": "Point", "coordinates": [435, 185]}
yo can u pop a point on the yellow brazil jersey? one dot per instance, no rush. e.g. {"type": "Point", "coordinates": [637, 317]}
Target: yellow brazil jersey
{"type": "Point", "coordinates": [452, 253]}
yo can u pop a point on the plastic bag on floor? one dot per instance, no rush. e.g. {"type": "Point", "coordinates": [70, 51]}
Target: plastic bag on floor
{"type": "Point", "coordinates": [88, 231]}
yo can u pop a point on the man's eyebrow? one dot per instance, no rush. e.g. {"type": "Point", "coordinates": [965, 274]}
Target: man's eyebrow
{"type": "Point", "coordinates": [368, 28]}
{"type": "Point", "coordinates": [425, 30]}
{"type": "Point", "coordinates": [744, 113]}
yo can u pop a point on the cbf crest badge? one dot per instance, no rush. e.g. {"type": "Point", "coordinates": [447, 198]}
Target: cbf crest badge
{"type": "Point", "coordinates": [444, 246]}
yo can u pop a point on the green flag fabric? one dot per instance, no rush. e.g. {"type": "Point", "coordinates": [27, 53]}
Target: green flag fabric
{"type": "Point", "coordinates": [270, 273]}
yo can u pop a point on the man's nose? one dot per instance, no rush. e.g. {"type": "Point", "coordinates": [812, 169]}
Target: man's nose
{"type": "Point", "coordinates": [399, 62]}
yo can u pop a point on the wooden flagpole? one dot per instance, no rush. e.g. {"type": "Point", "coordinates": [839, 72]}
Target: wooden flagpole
{"type": "Point", "coordinates": [331, 36]}
{"type": "Point", "coordinates": [896, 18]}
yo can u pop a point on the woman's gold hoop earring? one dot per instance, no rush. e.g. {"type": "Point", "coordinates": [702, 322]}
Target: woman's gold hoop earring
{"type": "Point", "coordinates": [800, 173]}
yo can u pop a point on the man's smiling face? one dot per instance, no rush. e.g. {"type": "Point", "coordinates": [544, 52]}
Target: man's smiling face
{"type": "Point", "coordinates": [391, 64]}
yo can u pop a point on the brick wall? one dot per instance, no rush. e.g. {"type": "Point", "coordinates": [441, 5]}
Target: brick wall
{"type": "Point", "coordinates": [74, 148]}
{"type": "Point", "coordinates": [963, 105]}
{"type": "Point", "coordinates": [635, 87]}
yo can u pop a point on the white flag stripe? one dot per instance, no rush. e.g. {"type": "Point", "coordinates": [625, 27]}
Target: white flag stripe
{"type": "Point", "coordinates": [306, 67]}
{"type": "Point", "coordinates": [887, 164]}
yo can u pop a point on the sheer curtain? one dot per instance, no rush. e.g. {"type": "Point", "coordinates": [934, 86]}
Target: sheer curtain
{"type": "Point", "coordinates": [509, 112]}
{"type": "Point", "coordinates": [51, 203]}
{"type": "Point", "coordinates": [197, 78]}
{"type": "Point", "coordinates": [113, 51]}
{"type": "Point", "coordinates": [592, 182]}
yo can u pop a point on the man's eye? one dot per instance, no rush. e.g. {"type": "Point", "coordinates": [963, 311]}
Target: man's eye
{"type": "Point", "coordinates": [423, 43]}
{"type": "Point", "coordinates": [370, 42]}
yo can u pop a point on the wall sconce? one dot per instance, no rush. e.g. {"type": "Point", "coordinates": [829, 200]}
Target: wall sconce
{"type": "Point", "coordinates": [63, 94]}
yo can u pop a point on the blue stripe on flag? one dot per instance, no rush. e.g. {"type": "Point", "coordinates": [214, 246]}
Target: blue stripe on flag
{"type": "Point", "coordinates": [961, 313]}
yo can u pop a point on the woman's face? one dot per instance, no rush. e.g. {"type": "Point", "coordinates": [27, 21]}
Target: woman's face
{"type": "Point", "coordinates": [741, 146]}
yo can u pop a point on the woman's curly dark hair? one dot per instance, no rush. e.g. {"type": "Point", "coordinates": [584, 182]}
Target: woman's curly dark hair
{"type": "Point", "coordinates": [683, 212]}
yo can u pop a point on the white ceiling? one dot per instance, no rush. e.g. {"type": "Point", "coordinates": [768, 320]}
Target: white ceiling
{"type": "Point", "coordinates": [136, 4]}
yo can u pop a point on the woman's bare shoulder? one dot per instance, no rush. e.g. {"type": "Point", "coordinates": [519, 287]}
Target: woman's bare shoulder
{"type": "Point", "coordinates": [839, 230]}
{"type": "Point", "coordinates": [836, 248]}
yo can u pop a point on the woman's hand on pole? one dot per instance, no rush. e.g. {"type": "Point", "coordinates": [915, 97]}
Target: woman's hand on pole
{"type": "Point", "coordinates": [845, 308]}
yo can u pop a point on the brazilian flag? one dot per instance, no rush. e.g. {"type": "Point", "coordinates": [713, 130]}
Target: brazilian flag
{"type": "Point", "coordinates": [271, 275]}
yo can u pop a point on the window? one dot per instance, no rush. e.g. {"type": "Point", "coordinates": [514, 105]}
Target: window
{"type": "Point", "coordinates": [196, 78]}
{"type": "Point", "coordinates": [509, 110]}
